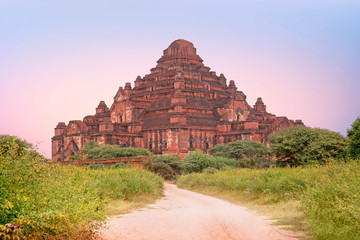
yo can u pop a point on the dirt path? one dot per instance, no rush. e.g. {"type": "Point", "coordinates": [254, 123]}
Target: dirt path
{"type": "Point", "coordinates": [183, 214]}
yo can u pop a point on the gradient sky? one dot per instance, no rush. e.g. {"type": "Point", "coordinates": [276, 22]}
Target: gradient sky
{"type": "Point", "coordinates": [58, 59]}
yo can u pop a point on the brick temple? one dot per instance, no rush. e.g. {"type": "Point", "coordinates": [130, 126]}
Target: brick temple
{"type": "Point", "coordinates": [179, 107]}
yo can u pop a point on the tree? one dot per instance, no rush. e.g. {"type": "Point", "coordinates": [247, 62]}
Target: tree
{"type": "Point", "coordinates": [95, 151]}
{"type": "Point", "coordinates": [248, 153]}
{"type": "Point", "coordinates": [197, 161]}
{"type": "Point", "coordinates": [354, 135]}
{"type": "Point", "coordinates": [240, 149]}
{"type": "Point", "coordinates": [304, 145]}
{"type": "Point", "coordinates": [13, 145]}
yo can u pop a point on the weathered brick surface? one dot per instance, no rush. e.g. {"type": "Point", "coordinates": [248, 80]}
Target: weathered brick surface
{"type": "Point", "coordinates": [179, 106]}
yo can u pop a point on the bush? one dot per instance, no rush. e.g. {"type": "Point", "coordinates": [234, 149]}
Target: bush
{"type": "Point", "coordinates": [354, 135]}
{"type": "Point", "coordinates": [96, 166]}
{"type": "Point", "coordinates": [172, 160]}
{"type": "Point", "coordinates": [299, 146]}
{"type": "Point", "coordinates": [331, 204]}
{"type": "Point", "coordinates": [48, 201]}
{"type": "Point", "coordinates": [114, 151]}
{"type": "Point", "coordinates": [125, 183]}
{"type": "Point", "coordinates": [240, 150]}
{"type": "Point", "coordinates": [197, 161]}
{"type": "Point", "coordinates": [267, 186]}
{"type": "Point", "coordinates": [120, 165]}
{"type": "Point", "coordinates": [163, 170]}
{"type": "Point", "coordinates": [12, 146]}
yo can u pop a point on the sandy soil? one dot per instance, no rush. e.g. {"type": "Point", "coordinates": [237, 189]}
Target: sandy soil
{"type": "Point", "coordinates": [183, 214]}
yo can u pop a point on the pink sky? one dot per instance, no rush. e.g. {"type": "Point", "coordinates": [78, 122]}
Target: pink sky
{"type": "Point", "coordinates": [58, 62]}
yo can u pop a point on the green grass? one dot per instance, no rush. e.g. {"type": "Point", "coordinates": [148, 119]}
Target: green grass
{"type": "Point", "coordinates": [64, 202]}
{"type": "Point", "coordinates": [323, 201]}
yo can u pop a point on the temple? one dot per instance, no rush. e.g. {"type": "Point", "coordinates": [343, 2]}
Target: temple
{"type": "Point", "coordinates": [179, 107]}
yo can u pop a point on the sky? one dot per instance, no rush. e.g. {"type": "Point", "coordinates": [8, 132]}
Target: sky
{"type": "Point", "coordinates": [59, 59]}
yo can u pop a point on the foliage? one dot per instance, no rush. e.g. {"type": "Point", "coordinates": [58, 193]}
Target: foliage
{"type": "Point", "coordinates": [249, 154]}
{"type": "Point", "coordinates": [76, 156]}
{"type": "Point", "coordinates": [332, 202]}
{"type": "Point", "coordinates": [210, 170]}
{"type": "Point", "coordinates": [120, 165]}
{"type": "Point", "coordinates": [354, 135]}
{"type": "Point", "coordinates": [10, 232]}
{"type": "Point", "coordinates": [329, 194]}
{"type": "Point", "coordinates": [172, 160]}
{"type": "Point", "coordinates": [269, 186]}
{"type": "Point", "coordinates": [197, 161]}
{"type": "Point", "coordinates": [89, 146]}
{"type": "Point", "coordinates": [240, 150]}
{"type": "Point", "coordinates": [13, 146]}
{"type": "Point", "coordinates": [48, 201]}
{"type": "Point", "coordinates": [114, 151]}
{"type": "Point", "coordinates": [125, 183]}
{"type": "Point", "coordinates": [96, 166]}
{"type": "Point", "coordinates": [303, 145]}
{"type": "Point", "coordinates": [163, 170]}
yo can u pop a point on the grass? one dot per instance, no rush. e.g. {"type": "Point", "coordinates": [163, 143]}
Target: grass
{"type": "Point", "coordinates": [321, 202]}
{"type": "Point", "coordinates": [64, 202]}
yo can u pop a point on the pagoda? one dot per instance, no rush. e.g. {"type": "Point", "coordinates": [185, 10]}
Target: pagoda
{"type": "Point", "coordinates": [180, 106]}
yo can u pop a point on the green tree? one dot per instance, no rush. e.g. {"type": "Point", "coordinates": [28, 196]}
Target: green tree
{"type": "Point", "coordinates": [354, 135]}
{"type": "Point", "coordinates": [248, 153]}
{"type": "Point", "coordinates": [304, 145]}
{"type": "Point", "coordinates": [197, 161]}
{"type": "Point", "coordinates": [112, 151]}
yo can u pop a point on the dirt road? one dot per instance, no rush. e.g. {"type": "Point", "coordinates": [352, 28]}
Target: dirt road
{"type": "Point", "coordinates": [183, 214]}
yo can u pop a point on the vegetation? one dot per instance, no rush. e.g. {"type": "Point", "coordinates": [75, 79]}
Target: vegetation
{"type": "Point", "coordinates": [163, 170]}
{"type": "Point", "coordinates": [173, 161]}
{"type": "Point", "coordinates": [248, 153]}
{"type": "Point", "coordinates": [354, 135]}
{"type": "Point", "coordinates": [39, 200]}
{"type": "Point", "coordinates": [299, 146]}
{"type": "Point", "coordinates": [120, 165]}
{"type": "Point", "coordinates": [197, 161]}
{"type": "Point", "coordinates": [329, 195]}
{"type": "Point", "coordinates": [92, 150]}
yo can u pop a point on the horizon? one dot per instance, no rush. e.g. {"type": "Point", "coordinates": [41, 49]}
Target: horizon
{"type": "Point", "coordinates": [59, 60]}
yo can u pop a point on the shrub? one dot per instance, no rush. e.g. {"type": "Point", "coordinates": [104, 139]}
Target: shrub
{"type": "Point", "coordinates": [172, 160]}
{"type": "Point", "coordinates": [120, 165]}
{"type": "Point", "coordinates": [13, 146]}
{"type": "Point", "coordinates": [240, 150]}
{"type": "Point", "coordinates": [48, 201]}
{"type": "Point", "coordinates": [331, 204]}
{"type": "Point", "coordinates": [114, 151]}
{"type": "Point", "coordinates": [269, 186]}
{"type": "Point", "coordinates": [77, 156]}
{"type": "Point", "coordinates": [354, 135]}
{"type": "Point", "coordinates": [197, 161]}
{"type": "Point", "coordinates": [163, 170]}
{"type": "Point", "coordinates": [303, 145]}
{"type": "Point", "coordinates": [96, 166]}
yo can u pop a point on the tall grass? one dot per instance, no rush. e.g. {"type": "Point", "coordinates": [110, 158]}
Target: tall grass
{"type": "Point", "coordinates": [329, 195]}
{"type": "Point", "coordinates": [332, 202]}
{"type": "Point", "coordinates": [62, 202]}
